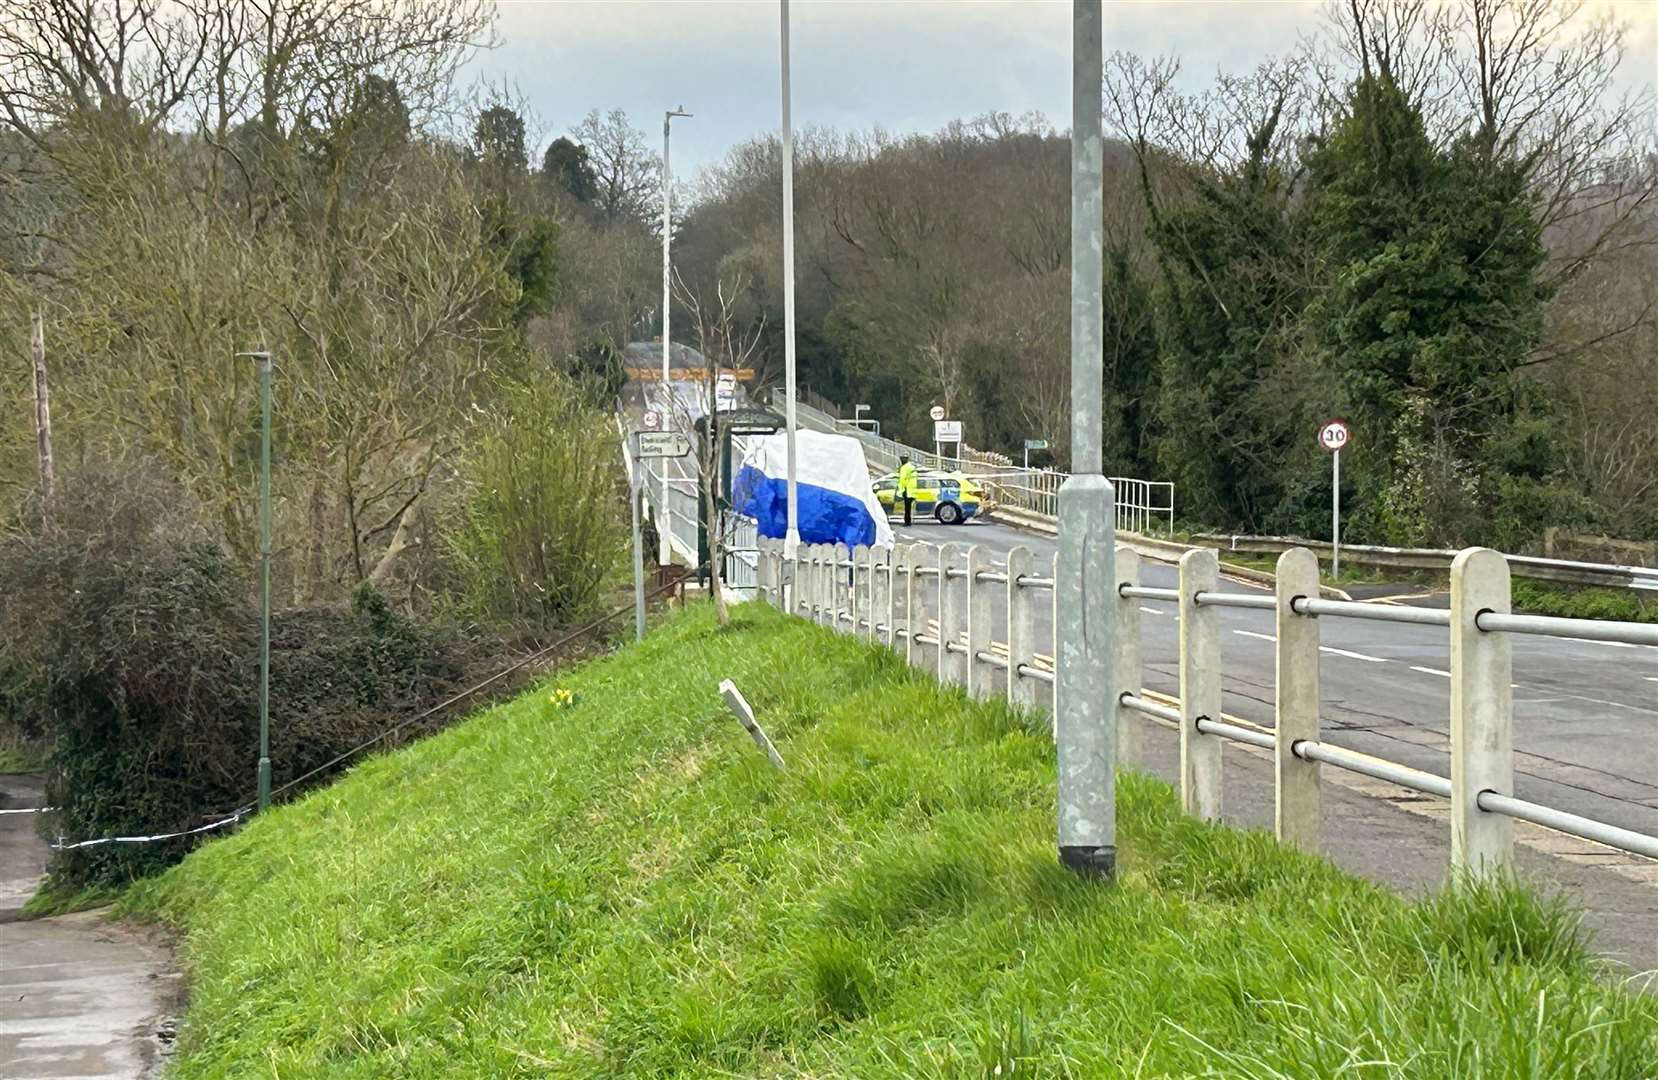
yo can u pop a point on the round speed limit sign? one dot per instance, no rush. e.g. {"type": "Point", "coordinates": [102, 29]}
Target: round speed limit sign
{"type": "Point", "coordinates": [653, 420]}
{"type": "Point", "coordinates": [1333, 435]}
{"type": "Point", "coordinates": [936, 412]}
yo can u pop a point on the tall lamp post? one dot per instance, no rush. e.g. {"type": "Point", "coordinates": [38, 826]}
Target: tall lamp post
{"type": "Point", "coordinates": [663, 521]}
{"type": "Point", "coordinates": [1086, 565]}
{"type": "Point", "coordinates": [264, 359]}
{"type": "Point", "coordinates": [791, 538]}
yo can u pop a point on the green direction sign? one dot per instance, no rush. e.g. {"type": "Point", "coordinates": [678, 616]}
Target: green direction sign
{"type": "Point", "coordinates": [664, 444]}
{"type": "Point", "coordinates": [1036, 444]}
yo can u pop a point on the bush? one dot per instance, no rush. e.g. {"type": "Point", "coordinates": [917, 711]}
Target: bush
{"type": "Point", "coordinates": [135, 638]}
{"type": "Point", "coordinates": [543, 537]}
{"type": "Point", "coordinates": [1540, 598]}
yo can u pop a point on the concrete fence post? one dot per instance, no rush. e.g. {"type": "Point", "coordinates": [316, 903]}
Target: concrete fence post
{"type": "Point", "coordinates": [823, 596]}
{"type": "Point", "coordinates": [843, 589]}
{"type": "Point", "coordinates": [1295, 702]}
{"type": "Point", "coordinates": [981, 676]}
{"type": "Point", "coordinates": [1200, 684]}
{"type": "Point", "coordinates": [897, 599]}
{"type": "Point", "coordinates": [952, 614]}
{"type": "Point", "coordinates": [1482, 713]}
{"type": "Point", "coordinates": [880, 589]}
{"type": "Point", "coordinates": [914, 556]}
{"type": "Point", "coordinates": [871, 586]}
{"type": "Point", "coordinates": [801, 585]}
{"type": "Point", "coordinates": [859, 578]}
{"type": "Point", "coordinates": [941, 564]}
{"type": "Point", "coordinates": [803, 581]}
{"type": "Point", "coordinates": [1021, 643]}
{"type": "Point", "coordinates": [1125, 642]}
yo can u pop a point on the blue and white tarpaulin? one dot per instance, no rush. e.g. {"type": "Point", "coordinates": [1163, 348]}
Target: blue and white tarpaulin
{"type": "Point", "coordinates": [836, 503]}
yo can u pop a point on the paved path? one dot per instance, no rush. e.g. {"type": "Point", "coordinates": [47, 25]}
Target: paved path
{"type": "Point", "coordinates": [80, 996]}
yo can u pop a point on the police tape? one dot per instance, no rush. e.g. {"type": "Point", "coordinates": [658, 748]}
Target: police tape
{"type": "Point", "coordinates": [221, 823]}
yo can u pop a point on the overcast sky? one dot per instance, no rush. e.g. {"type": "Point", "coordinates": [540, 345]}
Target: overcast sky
{"type": "Point", "coordinates": [904, 65]}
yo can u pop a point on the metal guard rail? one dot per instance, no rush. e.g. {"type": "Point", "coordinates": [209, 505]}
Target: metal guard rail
{"type": "Point", "coordinates": [961, 571]}
{"type": "Point", "coordinates": [1550, 818]}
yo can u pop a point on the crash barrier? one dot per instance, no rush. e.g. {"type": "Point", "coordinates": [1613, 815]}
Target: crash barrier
{"type": "Point", "coordinates": [936, 606]}
{"type": "Point", "coordinates": [1568, 571]}
{"type": "Point", "coordinates": [1142, 506]}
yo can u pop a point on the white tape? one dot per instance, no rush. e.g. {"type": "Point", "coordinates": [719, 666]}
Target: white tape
{"type": "Point", "coordinates": [31, 810]}
{"type": "Point", "coordinates": [237, 816]}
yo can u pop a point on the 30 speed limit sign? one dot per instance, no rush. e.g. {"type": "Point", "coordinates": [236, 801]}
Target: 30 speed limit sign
{"type": "Point", "coordinates": [1333, 435]}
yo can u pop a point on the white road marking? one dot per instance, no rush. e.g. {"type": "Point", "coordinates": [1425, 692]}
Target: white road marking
{"type": "Point", "coordinates": [1614, 704]}
{"type": "Point", "coordinates": [1613, 644]}
{"type": "Point", "coordinates": [1151, 610]}
{"type": "Point", "coordinates": [1351, 655]}
{"type": "Point", "coordinates": [1430, 671]}
{"type": "Point", "coordinates": [1253, 634]}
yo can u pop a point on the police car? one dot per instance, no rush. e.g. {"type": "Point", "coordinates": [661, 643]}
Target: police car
{"type": "Point", "coordinates": [949, 496]}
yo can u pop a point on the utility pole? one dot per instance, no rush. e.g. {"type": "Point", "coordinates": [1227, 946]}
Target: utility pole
{"type": "Point", "coordinates": [1084, 697]}
{"type": "Point", "coordinates": [664, 554]}
{"type": "Point", "coordinates": [264, 359]}
{"type": "Point", "coordinates": [791, 537]}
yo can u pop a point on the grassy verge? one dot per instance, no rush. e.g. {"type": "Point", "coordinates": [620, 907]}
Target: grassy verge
{"type": "Point", "coordinates": [1542, 598]}
{"type": "Point", "coordinates": [622, 886]}
{"type": "Point", "coordinates": [17, 756]}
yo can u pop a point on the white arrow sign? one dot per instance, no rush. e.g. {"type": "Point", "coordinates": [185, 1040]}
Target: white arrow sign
{"type": "Point", "coordinates": [664, 444]}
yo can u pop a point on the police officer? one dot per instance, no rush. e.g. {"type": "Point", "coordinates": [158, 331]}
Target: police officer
{"type": "Point", "coordinates": [906, 486]}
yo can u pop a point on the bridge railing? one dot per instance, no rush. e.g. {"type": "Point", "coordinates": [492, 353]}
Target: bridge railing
{"type": "Point", "coordinates": [937, 606]}
{"type": "Point", "coordinates": [1143, 506]}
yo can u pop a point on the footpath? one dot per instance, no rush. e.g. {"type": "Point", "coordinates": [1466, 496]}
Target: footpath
{"type": "Point", "coordinates": [80, 996]}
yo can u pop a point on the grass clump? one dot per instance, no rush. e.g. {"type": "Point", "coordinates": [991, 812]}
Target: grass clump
{"type": "Point", "coordinates": [625, 887]}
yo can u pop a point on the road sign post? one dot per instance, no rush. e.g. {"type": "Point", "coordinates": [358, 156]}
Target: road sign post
{"type": "Point", "coordinates": [1333, 436]}
{"type": "Point", "coordinates": [663, 444]}
{"type": "Point", "coordinates": [1033, 444]}
{"type": "Point", "coordinates": [650, 444]}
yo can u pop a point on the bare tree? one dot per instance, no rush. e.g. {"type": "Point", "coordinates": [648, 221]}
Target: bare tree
{"type": "Point", "coordinates": [628, 174]}
{"type": "Point", "coordinates": [728, 345]}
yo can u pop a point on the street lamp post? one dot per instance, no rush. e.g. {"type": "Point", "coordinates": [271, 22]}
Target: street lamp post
{"type": "Point", "coordinates": [264, 359]}
{"type": "Point", "coordinates": [791, 537]}
{"type": "Point", "coordinates": [663, 524]}
{"type": "Point", "coordinates": [1086, 566]}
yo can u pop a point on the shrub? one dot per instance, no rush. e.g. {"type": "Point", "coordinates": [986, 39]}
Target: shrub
{"type": "Point", "coordinates": [543, 537]}
{"type": "Point", "coordinates": [135, 638]}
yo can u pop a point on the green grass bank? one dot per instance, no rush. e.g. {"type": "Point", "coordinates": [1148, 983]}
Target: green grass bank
{"type": "Point", "coordinates": [623, 886]}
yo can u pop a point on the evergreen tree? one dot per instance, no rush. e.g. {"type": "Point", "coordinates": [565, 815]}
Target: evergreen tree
{"type": "Point", "coordinates": [1432, 257]}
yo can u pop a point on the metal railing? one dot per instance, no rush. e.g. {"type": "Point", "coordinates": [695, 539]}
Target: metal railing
{"type": "Point", "coordinates": [1569, 571]}
{"type": "Point", "coordinates": [1143, 506]}
{"type": "Point", "coordinates": [935, 606]}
